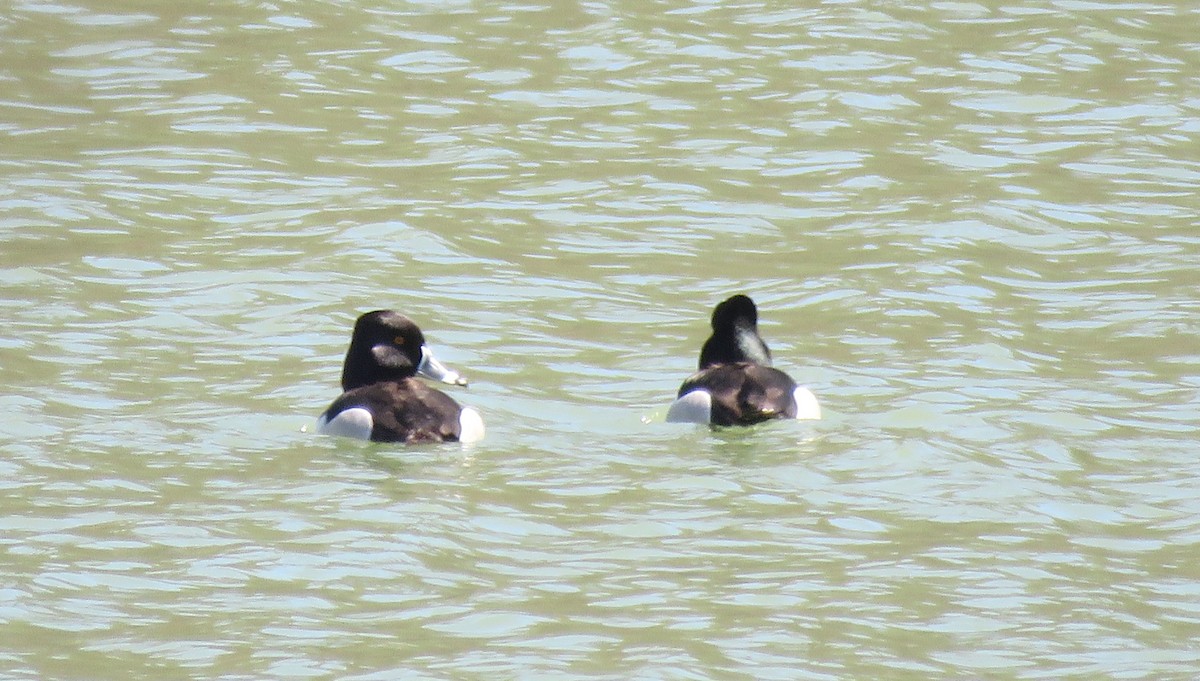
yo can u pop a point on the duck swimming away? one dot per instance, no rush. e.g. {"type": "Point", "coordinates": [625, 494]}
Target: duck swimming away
{"type": "Point", "coordinates": [736, 385]}
{"type": "Point", "coordinates": [382, 400]}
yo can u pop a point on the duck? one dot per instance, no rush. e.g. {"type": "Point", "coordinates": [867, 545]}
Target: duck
{"type": "Point", "coordinates": [736, 384]}
{"type": "Point", "coordinates": [383, 401]}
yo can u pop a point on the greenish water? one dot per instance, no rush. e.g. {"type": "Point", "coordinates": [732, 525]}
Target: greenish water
{"type": "Point", "coordinates": [970, 228]}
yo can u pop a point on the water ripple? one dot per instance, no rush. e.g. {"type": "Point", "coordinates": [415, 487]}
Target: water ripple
{"type": "Point", "coordinates": [969, 228]}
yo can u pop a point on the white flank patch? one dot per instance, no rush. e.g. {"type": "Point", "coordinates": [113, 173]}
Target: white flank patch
{"type": "Point", "coordinates": [354, 422]}
{"type": "Point", "coordinates": [807, 407]}
{"type": "Point", "coordinates": [694, 407]}
{"type": "Point", "coordinates": [470, 425]}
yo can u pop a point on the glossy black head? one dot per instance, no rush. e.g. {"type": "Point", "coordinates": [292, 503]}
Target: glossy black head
{"type": "Point", "coordinates": [386, 346]}
{"type": "Point", "coordinates": [735, 335]}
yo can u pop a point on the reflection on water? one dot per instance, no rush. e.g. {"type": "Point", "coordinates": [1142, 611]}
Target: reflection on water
{"type": "Point", "coordinates": [969, 228]}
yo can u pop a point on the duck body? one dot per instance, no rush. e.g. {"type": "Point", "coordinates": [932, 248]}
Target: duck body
{"type": "Point", "coordinates": [736, 384]}
{"type": "Point", "coordinates": [383, 401]}
{"type": "Point", "coordinates": [743, 394]}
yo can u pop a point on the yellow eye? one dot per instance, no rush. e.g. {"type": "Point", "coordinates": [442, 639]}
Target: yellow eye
{"type": "Point", "coordinates": [398, 340]}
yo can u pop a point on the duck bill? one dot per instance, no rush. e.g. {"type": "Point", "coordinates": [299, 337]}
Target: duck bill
{"type": "Point", "coordinates": [432, 369]}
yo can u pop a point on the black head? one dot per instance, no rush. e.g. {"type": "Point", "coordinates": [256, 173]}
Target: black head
{"type": "Point", "coordinates": [735, 335]}
{"type": "Point", "coordinates": [386, 346]}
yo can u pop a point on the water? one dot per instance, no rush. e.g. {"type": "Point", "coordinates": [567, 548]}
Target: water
{"type": "Point", "coordinates": [970, 228]}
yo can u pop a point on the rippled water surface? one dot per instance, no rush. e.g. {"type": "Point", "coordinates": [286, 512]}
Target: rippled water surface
{"type": "Point", "coordinates": [971, 228]}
